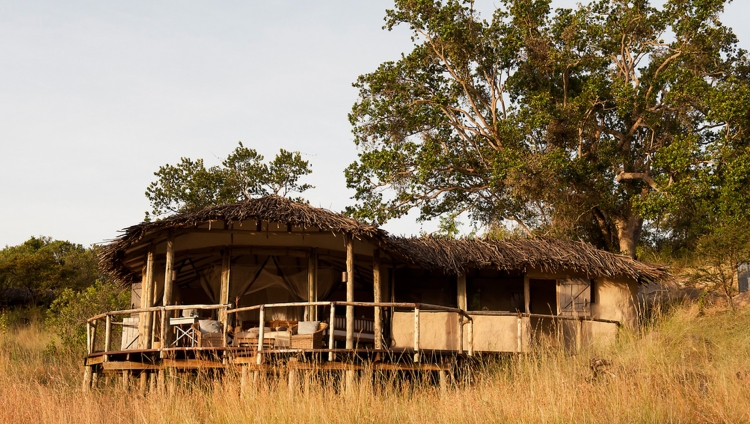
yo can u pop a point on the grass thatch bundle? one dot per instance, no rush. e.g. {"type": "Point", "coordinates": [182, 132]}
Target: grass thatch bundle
{"type": "Point", "coordinates": [449, 256]}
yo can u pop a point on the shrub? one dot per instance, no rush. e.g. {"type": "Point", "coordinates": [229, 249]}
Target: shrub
{"type": "Point", "coordinates": [69, 312]}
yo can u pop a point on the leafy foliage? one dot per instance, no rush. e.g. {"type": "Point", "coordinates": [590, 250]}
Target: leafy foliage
{"type": "Point", "coordinates": [578, 123]}
{"type": "Point", "coordinates": [190, 186]}
{"type": "Point", "coordinates": [42, 267]}
{"type": "Point", "coordinates": [71, 309]}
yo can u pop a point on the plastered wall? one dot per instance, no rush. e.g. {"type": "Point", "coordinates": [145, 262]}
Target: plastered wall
{"type": "Point", "coordinates": [439, 330]}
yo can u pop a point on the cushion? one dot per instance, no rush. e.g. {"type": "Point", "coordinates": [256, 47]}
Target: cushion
{"type": "Point", "coordinates": [255, 330]}
{"type": "Point", "coordinates": [210, 326]}
{"type": "Point", "coordinates": [307, 327]}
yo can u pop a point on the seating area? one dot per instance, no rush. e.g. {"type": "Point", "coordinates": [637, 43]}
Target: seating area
{"type": "Point", "coordinates": [284, 334]}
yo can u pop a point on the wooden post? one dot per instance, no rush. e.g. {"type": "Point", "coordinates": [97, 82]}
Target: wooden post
{"type": "Point", "coordinates": [143, 382]}
{"type": "Point", "coordinates": [350, 380]}
{"type": "Point", "coordinates": [416, 333]}
{"type": "Point", "coordinates": [146, 300]}
{"type": "Point", "coordinates": [312, 284]}
{"type": "Point", "coordinates": [125, 379]}
{"type": "Point", "coordinates": [579, 331]}
{"type": "Point", "coordinates": [292, 380]}
{"type": "Point", "coordinates": [161, 381]}
{"type": "Point", "coordinates": [164, 332]}
{"type": "Point", "coordinates": [443, 378]}
{"type": "Point", "coordinates": [376, 286]}
{"type": "Point", "coordinates": [168, 288]}
{"type": "Point", "coordinates": [88, 337]}
{"type": "Point", "coordinates": [471, 338]}
{"type": "Point", "coordinates": [348, 239]}
{"type": "Point", "coordinates": [88, 372]}
{"type": "Point", "coordinates": [519, 335]}
{"type": "Point", "coordinates": [261, 335]}
{"type": "Point", "coordinates": [153, 325]}
{"type": "Point", "coordinates": [107, 335]}
{"type": "Point", "coordinates": [94, 325]}
{"type": "Point", "coordinates": [462, 302]}
{"type": "Point", "coordinates": [226, 268]}
{"type": "Point", "coordinates": [225, 329]}
{"type": "Point", "coordinates": [331, 355]}
{"type": "Point", "coordinates": [460, 334]}
{"type": "Point", "coordinates": [526, 294]}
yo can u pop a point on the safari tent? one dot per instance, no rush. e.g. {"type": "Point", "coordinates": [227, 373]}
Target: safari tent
{"type": "Point", "coordinates": [274, 278]}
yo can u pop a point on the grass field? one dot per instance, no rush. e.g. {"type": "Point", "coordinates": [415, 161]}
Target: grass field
{"type": "Point", "coordinates": [686, 366]}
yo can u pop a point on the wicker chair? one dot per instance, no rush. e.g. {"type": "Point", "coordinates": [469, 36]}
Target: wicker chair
{"type": "Point", "coordinates": [309, 341]}
{"type": "Point", "coordinates": [203, 339]}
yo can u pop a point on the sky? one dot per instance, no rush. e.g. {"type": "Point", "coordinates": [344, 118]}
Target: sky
{"type": "Point", "coordinates": [95, 96]}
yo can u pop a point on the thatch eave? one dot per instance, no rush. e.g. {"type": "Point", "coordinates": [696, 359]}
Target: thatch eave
{"type": "Point", "coordinates": [451, 256]}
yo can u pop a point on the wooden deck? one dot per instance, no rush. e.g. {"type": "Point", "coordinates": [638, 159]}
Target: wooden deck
{"type": "Point", "coordinates": [272, 359]}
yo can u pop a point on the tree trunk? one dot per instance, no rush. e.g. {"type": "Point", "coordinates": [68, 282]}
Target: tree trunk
{"type": "Point", "coordinates": [604, 227]}
{"type": "Point", "coordinates": [628, 233]}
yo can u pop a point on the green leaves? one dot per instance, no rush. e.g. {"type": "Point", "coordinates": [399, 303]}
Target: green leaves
{"type": "Point", "coordinates": [71, 309]}
{"type": "Point", "coordinates": [579, 122]}
{"type": "Point", "coordinates": [42, 267]}
{"type": "Point", "coordinates": [190, 186]}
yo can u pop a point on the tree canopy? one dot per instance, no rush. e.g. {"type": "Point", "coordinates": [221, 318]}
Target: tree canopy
{"type": "Point", "coordinates": [41, 267]}
{"type": "Point", "coordinates": [190, 186]}
{"type": "Point", "coordinates": [607, 122]}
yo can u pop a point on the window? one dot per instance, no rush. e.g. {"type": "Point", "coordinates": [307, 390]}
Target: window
{"type": "Point", "coordinates": [575, 296]}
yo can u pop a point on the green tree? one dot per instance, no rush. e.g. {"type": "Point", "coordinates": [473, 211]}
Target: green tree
{"type": "Point", "coordinates": [190, 186]}
{"type": "Point", "coordinates": [43, 267]}
{"type": "Point", "coordinates": [575, 122]}
{"type": "Point", "coordinates": [70, 310]}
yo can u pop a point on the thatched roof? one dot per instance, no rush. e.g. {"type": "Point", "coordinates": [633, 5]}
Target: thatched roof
{"type": "Point", "coordinates": [547, 255]}
{"type": "Point", "coordinates": [449, 256]}
{"type": "Point", "coordinates": [269, 208]}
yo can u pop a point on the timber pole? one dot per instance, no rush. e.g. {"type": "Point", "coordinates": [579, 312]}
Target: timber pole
{"type": "Point", "coordinates": [462, 303]}
{"type": "Point", "coordinates": [348, 239]}
{"type": "Point", "coordinates": [107, 335]}
{"type": "Point", "coordinates": [312, 284]}
{"type": "Point", "coordinates": [526, 294]}
{"type": "Point", "coordinates": [376, 294]}
{"type": "Point", "coordinates": [168, 288]}
{"type": "Point", "coordinates": [349, 308]}
{"type": "Point", "coordinates": [331, 328]}
{"type": "Point", "coordinates": [226, 268]}
{"type": "Point", "coordinates": [146, 294]}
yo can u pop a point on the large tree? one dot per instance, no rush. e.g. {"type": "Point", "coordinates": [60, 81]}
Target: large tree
{"type": "Point", "coordinates": [190, 186]}
{"type": "Point", "coordinates": [575, 122]}
{"type": "Point", "coordinates": [42, 267]}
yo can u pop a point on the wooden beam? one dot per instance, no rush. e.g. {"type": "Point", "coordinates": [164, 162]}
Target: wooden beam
{"type": "Point", "coordinates": [146, 293]}
{"type": "Point", "coordinates": [462, 301]}
{"type": "Point", "coordinates": [332, 322]}
{"type": "Point", "coordinates": [168, 286]}
{"type": "Point", "coordinates": [416, 334]}
{"type": "Point", "coordinates": [107, 334]}
{"type": "Point", "coordinates": [312, 284]}
{"type": "Point", "coordinates": [526, 294]}
{"type": "Point", "coordinates": [226, 268]}
{"type": "Point", "coordinates": [348, 240]}
{"type": "Point", "coordinates": [377, 297]}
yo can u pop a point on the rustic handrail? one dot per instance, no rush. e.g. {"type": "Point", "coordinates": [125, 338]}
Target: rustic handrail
{"type": "Point", "coordinates": [465, 318]}
{"type": "Point", "coordinates": [530, 315]}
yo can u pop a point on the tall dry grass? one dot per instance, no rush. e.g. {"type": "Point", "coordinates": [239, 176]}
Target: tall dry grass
{"type": "Point", "coordinates": [686, 367]}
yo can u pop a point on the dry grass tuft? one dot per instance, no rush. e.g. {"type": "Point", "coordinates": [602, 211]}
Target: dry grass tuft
{"type": "Point", "coordinates": [687, 367]}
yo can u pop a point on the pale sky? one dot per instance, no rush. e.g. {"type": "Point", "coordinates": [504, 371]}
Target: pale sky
{"type": "Point", "coordinates": [95, 96]}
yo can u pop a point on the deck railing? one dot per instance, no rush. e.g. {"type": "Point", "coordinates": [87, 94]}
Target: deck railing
{"type": "Point", "coordinates": [163, 312]}
{"type": "Point", "coordinates": [226, 310]}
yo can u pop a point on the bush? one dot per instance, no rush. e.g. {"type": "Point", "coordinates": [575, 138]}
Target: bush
{"type": "Point", "coordinates": [69, 312]}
